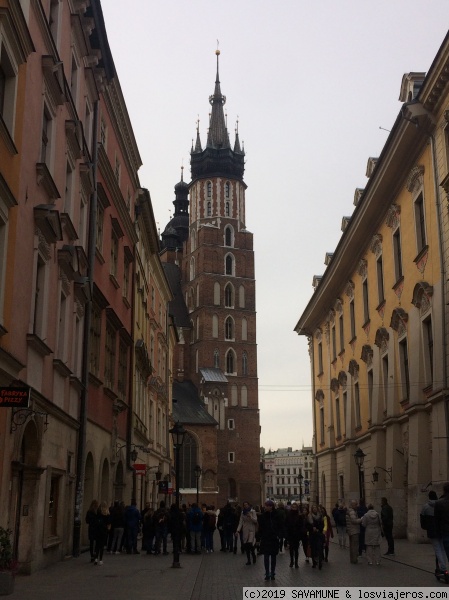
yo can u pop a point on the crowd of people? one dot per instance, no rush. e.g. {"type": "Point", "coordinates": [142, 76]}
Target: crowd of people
{"type": "Point", "coordinates": [251, 530]}
{"type": "Point", "coordinates": [263, 531]}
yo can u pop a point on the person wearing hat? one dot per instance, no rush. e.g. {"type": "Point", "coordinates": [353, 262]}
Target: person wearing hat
{"type": "Point", "coordinates": [269, 539]}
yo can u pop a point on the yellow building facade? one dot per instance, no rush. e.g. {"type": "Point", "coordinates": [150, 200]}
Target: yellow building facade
{"type": "Point", "coordinates": [377, 321]}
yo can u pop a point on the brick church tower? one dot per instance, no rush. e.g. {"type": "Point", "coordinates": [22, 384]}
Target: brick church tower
{"type": "Point", "coordinates": [218, 288]}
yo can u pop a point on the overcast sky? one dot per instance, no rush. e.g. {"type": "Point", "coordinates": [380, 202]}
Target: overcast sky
{"type": "Point", "coordinates": [312, 82]}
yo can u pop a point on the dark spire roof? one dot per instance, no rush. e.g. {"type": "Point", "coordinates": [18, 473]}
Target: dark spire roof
{"type": "Point", "coordinates": [198, 141]}
{"type": "Point", "coordinates": [218, 159]}
{"type": "Point", "coordinates": [177, 229]}
{"type": "Point", "coordinates": [237, 140]}
{"type": "Point", "coordinates": [218, 134]}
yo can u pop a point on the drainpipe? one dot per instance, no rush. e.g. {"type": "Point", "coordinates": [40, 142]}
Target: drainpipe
{"type": "Point", "coordinates": [81, 450]}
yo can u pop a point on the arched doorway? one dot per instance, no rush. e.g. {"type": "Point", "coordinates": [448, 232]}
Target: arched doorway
{"type": "Point", "coordinates": [26, 478]}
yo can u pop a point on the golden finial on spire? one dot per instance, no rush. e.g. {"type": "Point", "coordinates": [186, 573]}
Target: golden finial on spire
{"type": "Point", "coordinates": [217, 51]}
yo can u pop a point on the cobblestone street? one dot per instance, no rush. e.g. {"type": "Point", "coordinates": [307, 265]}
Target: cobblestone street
{"type": "Point", "coordinates": [218, 575]}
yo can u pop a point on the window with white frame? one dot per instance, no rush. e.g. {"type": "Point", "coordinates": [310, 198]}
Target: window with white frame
{"type": "Point", "coordinates": [342, 332]}
{"type": "Point", "coordinates": [229, 236]}
{"type": "Point", "coordinates": [8, 83]}
{"type": "Point", "coordinates": [231, 424]}
{"type": "Point", "coordinates": [47, 136]}
{"type": "Point", "coordinates": [385, 384]}
{"type": "Point", "coordinates": [54, 16]}
{"type": "Point", "coordinates": [231, 457]}
{"type": "Point", "coordinates": [404, 367]}
{"type": "Point", "coordinates": [427, 331]}
{"type": "Point", "coordinates": [114, 254]}
{"type": "Point", "coordinates": [337, 417]}
{"type": "Point", "coordinates": [244, 363]}
{"type": "Point", "coordinates": [62, 327]}
{"type": "Point", "coordinates": [6, 202]}
{"type": "Point", "coordinates": [229, 264]}
{"type": "Point", "coordinates": [420, 223]}
{"type": "Point", "coordinates": [69, 185]}
{"type": "Point", "coordinates": [40, 297]}
{"type": "Point", "coordinates": [352, 319]}
{"type": "Point", "coordinates": [397, 254]}
{"type": "Point", "coordinates": [370, 393]}
{"type": "Point", "coordinates": [230, 362]}
{"type": "Point", "coordinates": [229, 328]}
{"type": "Point", "coordinates": [380, 279]}
{"type": "Point", "coordinates": [365, 300]}
{"type": "Point", "coordinates": [358, 421]}
{"type": "Point", "coordinates": [229, 296]}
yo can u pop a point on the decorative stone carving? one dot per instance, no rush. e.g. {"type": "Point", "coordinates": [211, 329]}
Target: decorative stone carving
{"type": "Point", "coordinates": [376, 244]}
{"type": "Point", "coordinates": [415, 179]}
{"type": "Point", "coordinates": [398, 322]}
{"type": "Point", "coordinates": [318, 335]}
{"type": "Point", "coordinates": [319, 397]}
{"type": "Point", "coordinates": [335, 385]}
{"type": "Point", "coordinates": [342, 379]}
{"type": "Point", "coordinates": [349, 290]}
{"type": "Point", "coordinates": [422, 296]}
{"type": "Point", "coordinates": [381, 340]}
{"type": "Point", "coordinates": [367, 355]}
{"type": "Point", "coordinates": [362, 268]}
{"type": "Point", "coordinates": [353, 368]}
{"type": "Point", "coordinates": [331, 316]}
{"type": "Point", "coordinates": [327, 333]}
{"type": "Point", "coordinates": [393, 216]}
{"type": "Point", "coordinates": [338, 306]}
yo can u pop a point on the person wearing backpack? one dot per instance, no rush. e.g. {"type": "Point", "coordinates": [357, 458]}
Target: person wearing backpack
{"type": "Point", "coordinates": [427, 520]}
{"type": "Point", "coordinates": [195, 522]}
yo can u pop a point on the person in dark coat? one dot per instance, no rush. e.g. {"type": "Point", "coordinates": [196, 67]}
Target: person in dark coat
{"type": "Point", "coordinates": [269, 539]}
{"type": "Point", "coordinates": [339, 515]}
{"type": "Point", "coordinates": [132, 522]}
{"type": "Point", "coordinates": [103, 525]}
{"type": "Point", "coordinates": [441, 514]}
{"type": "Point", "coordinates": [229, 526]}
{"type": "Point", "coordinates": [117, 526]}
{"type": "Point", "coordinates": [195, 526]}
{"type": "Point", "coordinates": [148, 531]}
{"type": "Point", "coordinates": [386, 515]}
{"type": "Point", "coordinates": [91, 520]}
{"type": "Point", "coordinates": [175, 526]}
{"type": "Point", "coordinates": [316, 536]}
{"type": "Point", "coordinates": [161, 522]}
{"type": "Point", "coordinates": [294, 528]}
{"type": "Point", "coordinates": [361, 512]}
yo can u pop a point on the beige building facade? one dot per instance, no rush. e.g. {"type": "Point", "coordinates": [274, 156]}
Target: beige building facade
{"type": "Point", "coordinates": [377, 320]}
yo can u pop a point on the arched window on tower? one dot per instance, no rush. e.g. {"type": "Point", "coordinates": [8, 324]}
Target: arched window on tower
{"type": "Point", "coordinates": [244, 363]}
{"type": "Point", "coordinates": [227, 190]}
{"type": "Point", "coordinates": [192, 240]}
{"type": "Point", "coordinates": [229, 236]}
{"type": "Point", "coordinates": [192, 268]}
{"type": "Point", "coordinates": [229, 264]}
{"type": "Point", "coordinates": [216, 293]}
{"type": "Point", "coordinates": [228, 209]}
{"type": "Point", "coordinates": [216, 359]}
{"type": "Point", "coordinates": [209, 208]}
{"type": "Point", "coordinates": [188, 459]}
{"type": "Point", "coordinates": [209, 189]}
{"type": "Point", "coordinates": [229, 329]}
{"type": "Point", "coordinates": [229, 296]}
{"type": "Point", "coordinates": [230, 362]}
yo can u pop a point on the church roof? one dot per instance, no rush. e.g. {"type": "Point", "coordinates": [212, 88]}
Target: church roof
{"type": "Point", "coordinates": [218, 134]}
{"type": "Point", "coordinates": [176, 307]}
{"type": "Point", "coordinates": [188, 408]}
{"type": "Point", "coordinates": [213, 374]}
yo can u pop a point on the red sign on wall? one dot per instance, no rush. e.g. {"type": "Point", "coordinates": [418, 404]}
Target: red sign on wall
{"type": "Point", "coordinates": [140, 468]}
{"type": "Point", "coordinates": [14, 397]}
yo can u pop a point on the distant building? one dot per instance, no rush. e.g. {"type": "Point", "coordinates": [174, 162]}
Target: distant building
{"type": "Point", "coordinates": [283, 467]}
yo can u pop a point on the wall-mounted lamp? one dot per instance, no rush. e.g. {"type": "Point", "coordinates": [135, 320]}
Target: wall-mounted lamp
{"type": "Point", "coordinates": [389, 472]}
{"type": "Point", "coordinates": [133, 453]}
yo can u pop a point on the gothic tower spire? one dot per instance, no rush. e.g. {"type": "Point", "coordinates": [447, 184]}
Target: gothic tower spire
{"type": "Point", "coordinates": [218, 134]}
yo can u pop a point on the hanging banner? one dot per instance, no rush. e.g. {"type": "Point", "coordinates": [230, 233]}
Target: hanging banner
{"type": "Point", "coordinates": [14, 397]}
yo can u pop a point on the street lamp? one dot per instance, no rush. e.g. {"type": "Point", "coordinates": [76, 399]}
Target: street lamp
{"type": "Point", "coordinates": [177, 432]}
{"type": "Point", "coordinates": [359, 457]}
{"type": "Point", "coordinates": [300, 480]}
{"type": "Point", "coordinates": [198, 471]}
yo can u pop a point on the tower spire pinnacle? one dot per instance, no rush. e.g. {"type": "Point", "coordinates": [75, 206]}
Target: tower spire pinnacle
{"type": "Point", "coordinates": [218, 136]}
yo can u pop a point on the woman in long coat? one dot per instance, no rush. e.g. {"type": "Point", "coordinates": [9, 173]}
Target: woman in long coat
{"type": "Point", "coordinates": [91, 520]}
{"type": "Point", "coordinates": [248, 525]}
{"type": "Point", "coordinates": [373, 534]}
{"type": "Point", "coordinates": [269, 539]}
{"type": "Point", "coordinates": [316, 536]}
{"type": "Point", "coordinates": [294, 526]}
